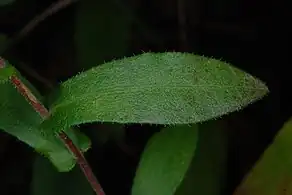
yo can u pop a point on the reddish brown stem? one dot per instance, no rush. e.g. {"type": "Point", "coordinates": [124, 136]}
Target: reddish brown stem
{"type": "Point", "coordinates": [44, 113]}
{"type": "Point", "coordinates": [25, 92]}
{"type": "Point", "coordinates": [82, 163]}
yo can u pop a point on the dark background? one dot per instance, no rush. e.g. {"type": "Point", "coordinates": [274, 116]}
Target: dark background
{"type": "Point", "coordinates": [252, 35]}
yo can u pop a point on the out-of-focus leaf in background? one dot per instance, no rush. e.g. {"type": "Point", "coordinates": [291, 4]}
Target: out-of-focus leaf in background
{"type": "Point", "coordinates": [207, 172]}
{"type": "Point", "coordinates": [165, 161]}
{"type": "Point", "coordinates": [102, 31]}
{"type": "Point", "coordinates": [46, 180]}
{"type": "Point", "coordinates": [6, 2]}
{"type": "Point", "coordinates": [272, 174]}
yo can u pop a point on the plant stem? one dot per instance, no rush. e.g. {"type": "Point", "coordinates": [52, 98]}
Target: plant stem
{"type": "Point", "coordinates": [44, 113]}
{"type": "Point", "coordinates": [52, 9]}
{"type": "Point", "coordinates": [55, 7]}
{"type": "Point", "coordinates": [82, 163]}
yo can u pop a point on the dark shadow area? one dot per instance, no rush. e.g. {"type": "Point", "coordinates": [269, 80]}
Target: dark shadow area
{"type": "Point", "coordinates": [251, 35]}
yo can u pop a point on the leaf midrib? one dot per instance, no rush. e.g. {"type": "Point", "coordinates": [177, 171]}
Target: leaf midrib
{"type": "Point", "coordinates": [121, 90]}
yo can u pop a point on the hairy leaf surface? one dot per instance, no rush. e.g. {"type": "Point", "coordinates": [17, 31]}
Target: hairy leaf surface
{"type": "Point", "coordinates": [160, 88]}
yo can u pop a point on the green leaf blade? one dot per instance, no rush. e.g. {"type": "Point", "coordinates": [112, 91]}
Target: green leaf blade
{"type": "Point", "coordinates": [19, 119]}
{"type": "Point", "coordinates": [272, 174]}
{"type": "Point", "coordinates": [6, 72]}
{"type": "Point", "coordinates": [163, 88]}
{"type": "Point", "coordinates": [207, 172]}
{"type": "Point", "coordinates": [165, 161]}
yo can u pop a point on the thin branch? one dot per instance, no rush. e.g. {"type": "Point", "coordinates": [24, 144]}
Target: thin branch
{"type": "Point", "coordinates": [44, 113]}
{"type": "Point", "coordinates": [28, 70]}
{"type": "Point", "coordinates": [25, 92]}
{"type": "Point", "coordinates": [54, 8]}
{"type": "Point", "coordinates": [82, 163]}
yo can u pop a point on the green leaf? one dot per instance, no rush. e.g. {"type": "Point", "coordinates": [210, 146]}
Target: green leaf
{"type": "Point", "coordinates": [161, 88]}
{"type": "Point", "coordinates": [18, 118]}
{"type": "Point", "coordinates": [207, 171]}
{"type": "Point", "coordinates": [165, 161]}
{"type": "Point", "coordinates": [6, 73]}
{"type": "Point", "coordinates": [47, 181]}
{"type": "Point", "coordinates": [103, 30]}
{"type": "Point", "coordinates": [272, 174]}
{"type": "Point", "coordinates": [9, 70]}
